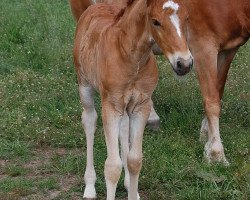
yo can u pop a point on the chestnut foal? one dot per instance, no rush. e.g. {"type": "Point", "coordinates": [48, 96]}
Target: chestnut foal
{"type": "Point", "coordinates": [215, 30]}
{"type": "Point", "coordinates": [77, 8]}
{"type": "Point", "coordinates": [112, 54]}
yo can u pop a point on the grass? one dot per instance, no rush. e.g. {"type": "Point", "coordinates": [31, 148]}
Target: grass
{"type": "Point", "coordinates": [42, 145]}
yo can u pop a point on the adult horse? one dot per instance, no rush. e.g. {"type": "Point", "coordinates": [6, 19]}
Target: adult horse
{"type": "Point", "coordinates": [214, 31]}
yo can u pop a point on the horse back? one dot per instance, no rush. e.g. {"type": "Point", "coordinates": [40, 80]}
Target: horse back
{"type": "Point", "coordinates": [93, 27]}
{"type": "Point", "coordinates": [226, 21]}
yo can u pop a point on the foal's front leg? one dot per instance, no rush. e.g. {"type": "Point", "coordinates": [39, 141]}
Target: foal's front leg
{"type": "Point", "coordinates": [89, 118]}
{"type": "Point", "coordinates": [138, 120]}
{"type": "Point", "coordinates": [113, 165]}
{"type": "Point", "coordinates": [124, 140]}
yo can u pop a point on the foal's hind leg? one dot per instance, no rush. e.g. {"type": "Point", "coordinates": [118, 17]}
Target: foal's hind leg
{"type": "Point", "coordinates": [89, 118]}
{"type": "Point", "coordinates": [124, 140]}
{"type": "Point", "coordinates": [153, 120]}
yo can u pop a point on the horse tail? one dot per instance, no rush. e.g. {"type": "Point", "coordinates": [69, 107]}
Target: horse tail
{"type": "Point", "coordinates": [79, 6]}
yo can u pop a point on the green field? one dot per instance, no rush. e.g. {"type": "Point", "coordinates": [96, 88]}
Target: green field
{"type": "Point", "coordinates": [42, 145]}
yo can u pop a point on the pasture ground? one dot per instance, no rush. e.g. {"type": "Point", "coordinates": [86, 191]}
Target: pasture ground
{"type": "Point", "coordinates": [42, 145]}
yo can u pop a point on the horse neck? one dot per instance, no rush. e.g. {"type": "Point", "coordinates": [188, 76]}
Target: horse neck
{"type": "Point", "coordinates": [134, 23]}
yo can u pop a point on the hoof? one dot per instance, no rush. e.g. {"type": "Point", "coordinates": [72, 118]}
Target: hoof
{"type": "Point", "coordinates": [89, 192]}
{"type": "Point", "coordinates": [154, 124]}
{"type": "Point", "coordinates": [214, 153]}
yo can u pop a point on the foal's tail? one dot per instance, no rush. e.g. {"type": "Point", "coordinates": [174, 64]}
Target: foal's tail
{"type": "Point", "coordinates": [79, 6]}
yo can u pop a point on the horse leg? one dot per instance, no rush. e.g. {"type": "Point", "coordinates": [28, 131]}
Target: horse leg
{"type": "Point", "coordinates": [223, 64]}
{"type": "Point", "coordinates": [206, 68]}
{"type": "Point", "coordinates": [78, 7]}
{"type": "Point", "coordinates": [89, 118]}
{"type": "Point", "coordinates": [138, 120]}
{"type": "Point", "coordinates": [113, 165]}
{"type": "Point", "coordinates": [204, 131]}
{"type": "Point", "coordinates": [124, 141]}
{"type": "Point", "coordinates": [153, 120]}
{"type": "Point", "coordinates": [224, 60]}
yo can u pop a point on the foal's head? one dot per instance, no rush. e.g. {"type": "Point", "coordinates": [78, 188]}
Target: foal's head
{"type": "Point", "coordinates": [168, 19]}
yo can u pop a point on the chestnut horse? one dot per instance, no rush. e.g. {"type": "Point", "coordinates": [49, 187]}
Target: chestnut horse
{"type": "Point", "coordinates": [214, 30]}
{"type": "Point", "coordinates": [78, 7]}
{"type": "Point", "coordinates": [112, 54]}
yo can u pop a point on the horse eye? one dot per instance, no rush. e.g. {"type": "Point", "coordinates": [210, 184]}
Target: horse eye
{"type": "Point", "coordinates": [156, 22]}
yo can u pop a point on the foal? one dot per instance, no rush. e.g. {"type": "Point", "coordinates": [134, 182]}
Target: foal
{"type": "Point", "coordinates": [215, 30]}
{"type": "Point", "coordinates": [77, 8]}
{"type": "Point", "coordinates": [112, 54]}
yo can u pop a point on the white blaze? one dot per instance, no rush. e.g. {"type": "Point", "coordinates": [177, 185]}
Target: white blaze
{"type": "Point", "coordinates": [174, 17]}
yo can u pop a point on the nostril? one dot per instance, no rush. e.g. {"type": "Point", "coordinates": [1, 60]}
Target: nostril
{"type": "Point", "coordinates": [179, 64]}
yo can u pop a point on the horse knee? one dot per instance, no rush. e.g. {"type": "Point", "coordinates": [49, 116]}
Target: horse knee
{"type": "Point", "coordinates": [134, 163]}
{"type": "Point", "coordinates": [89, 118]}
{"type": "Point", "coordinates": [113, 169]}
{"type": "Point", "coordinates": [212, 108]}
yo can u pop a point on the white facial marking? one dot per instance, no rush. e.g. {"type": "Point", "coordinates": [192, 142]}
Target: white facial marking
{"type": "Point", "coordinates": [171, 4]}
{"type": "Point", "coordinates": [174, 17]}
{"type": "Point", "coordinates": [175, 21]}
